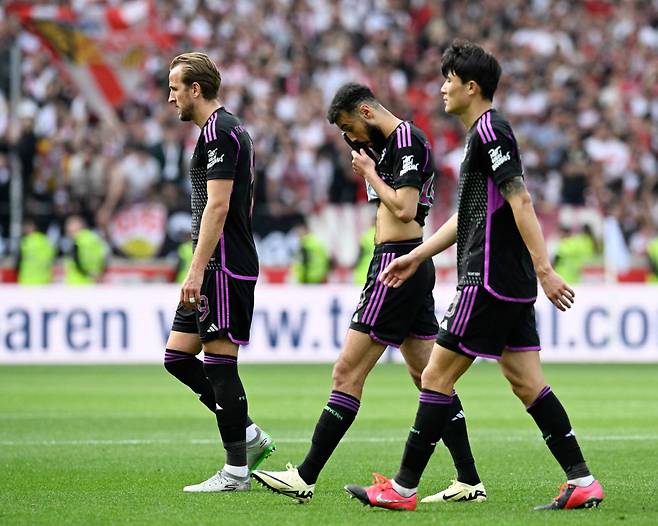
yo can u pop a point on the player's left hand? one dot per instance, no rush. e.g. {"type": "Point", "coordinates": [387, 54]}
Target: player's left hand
{"type": "Point", "coordinates": [556, 290]}
{"type": "Point", "coordinates": [362, 163]}
{"type": "Point", "coordinates": [190, 293]}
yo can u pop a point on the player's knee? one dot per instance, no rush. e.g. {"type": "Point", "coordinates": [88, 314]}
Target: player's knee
{"type": "Point", "coordinates": [431, 378]}
{"type": "Point", "coordinates": [524, 391]}
{"type": "Point", "coordinates": [345, 378]}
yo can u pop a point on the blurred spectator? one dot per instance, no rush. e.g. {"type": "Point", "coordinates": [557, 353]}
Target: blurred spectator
{"type": "Point", "coordinates": [87, 259]}
{"type": "Point", "coordinates": [36, 256]}
{"type": "Point", "coordinates": [312, 264]}
{"type": "Point", "coordinates": [580, 87]}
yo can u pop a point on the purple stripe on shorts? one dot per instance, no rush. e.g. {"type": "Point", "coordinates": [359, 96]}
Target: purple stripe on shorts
{"type": "Point", "coordinates": [477, 354]}
{"type": "Point", "coordinates": [463, 301]}
{"type": "Point", "coordinates": [490, 127]}
{"type": "Point", "coordinates": [236, 341]}
{"type": "Point", "coordinates": [423, 336]}
{"type": "Point", "coordinates": [542, 394]}
{"type": "Point", "coordinates": [367, 314]}
{"type": "Point", "coordinates": [523, 349]}
{"type": "Point", "coordinates": [471, 301]}
{"type": "Point", "coordinates": [218, 290]}
{"type": "Point", "coordinates": [377, 339]}
{"type": "Point", "coordinates": [382, 296]}
{"type": "Point", "coordinates": [227, 310]}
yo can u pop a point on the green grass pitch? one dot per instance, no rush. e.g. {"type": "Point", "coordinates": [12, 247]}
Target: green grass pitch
{"type": "Point", "coordinates": [116, 444]}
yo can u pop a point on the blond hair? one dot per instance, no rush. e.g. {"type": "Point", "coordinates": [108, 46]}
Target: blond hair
{"type": "Point", "coordinates": [197, 67]}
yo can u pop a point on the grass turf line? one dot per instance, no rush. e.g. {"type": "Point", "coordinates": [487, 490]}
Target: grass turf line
{"type": "Point", "coordinates": [116, 444]}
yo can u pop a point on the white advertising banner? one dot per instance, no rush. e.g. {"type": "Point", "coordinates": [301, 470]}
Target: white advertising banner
{"type": "Point", "coordinates": [130, 324]}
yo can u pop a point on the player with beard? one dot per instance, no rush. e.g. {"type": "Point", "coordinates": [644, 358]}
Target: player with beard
{"type": "Point", "coordinates": [217, 295]}
{"type": "Point", "coordinates": [395, 159]}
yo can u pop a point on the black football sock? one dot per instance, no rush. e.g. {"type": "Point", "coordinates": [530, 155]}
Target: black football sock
{"type": "Point", "coordinates": [335, 420]}
{"type": "Point", "coordinates": [552, 420]}
{"type": "Point", "coordinates": [188, 369]}
{"type": "Point", "coordinates": [434, 410]}
{"type": "Point", "coordinates": [455, 438]}
{"type": "Point", "coordinates": [231, 408]}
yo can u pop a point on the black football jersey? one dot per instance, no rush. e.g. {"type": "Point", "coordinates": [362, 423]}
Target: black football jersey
{"type": "Point", "coordinates": [490, 250]}
{"type": "Point", "coordinates": [406, 160]}
{"type": "Point", "coordinates": [224, 150]}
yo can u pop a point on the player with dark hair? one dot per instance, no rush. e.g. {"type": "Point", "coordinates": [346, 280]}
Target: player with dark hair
{"type": "Point", "coordinates": [395, 159]}
{"type": "Point", "coordinates": [217, 295]}
{"type": "Point", "coordinates": [500, 254]}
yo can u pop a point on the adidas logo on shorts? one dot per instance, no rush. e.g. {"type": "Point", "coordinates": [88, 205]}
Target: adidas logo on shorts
{"type": "Point", "coordinates": [212, 328]}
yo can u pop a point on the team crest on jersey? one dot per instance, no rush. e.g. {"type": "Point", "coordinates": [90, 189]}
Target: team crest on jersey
{"type": "Point", "coordinates": [498, 158]}
{"type": "Point", "coordinates": [213, 159]}
{"type": "Point", "coordinates": [408, 164]}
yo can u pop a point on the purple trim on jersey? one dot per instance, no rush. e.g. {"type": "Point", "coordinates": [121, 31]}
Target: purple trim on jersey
{"type": "Point", "coordinates": [177, 356]}
{"type": "Point", "coordinates": [397, 133]}
{"type": "Point", "coordinates": [494, 201]}
{"type": "Point", "coordinates": [475, 354]}
{"type": "Point", "coordinates": [344, 401]}
{"type": "Point", "coordinates": [434, 398]}
{"type": "Point", "coordinates": [377, 339]}
{"type": "Point", "coordinates": [209, 131]}
{"type": "Point", "coordinates": [237, 141]}
{"type": "Point", "coordinates": [483, 135]}
{"type": "Point", "coordinates": [542, 394]}
{"type": "Point", "coordinates": [470, 301]}
{"type": "Point", "coordinates": [523, 349]}
{"type": "Point", "coordinates": [423, 336]}
{"type": "Point", "coordinates": [427, 157]}
{"type": "Point", "coordinates": [408, 134]}
{"type": "Point", "coordinates": [377, 297]}
{"type": "Point", "coordinates": [489, 127]}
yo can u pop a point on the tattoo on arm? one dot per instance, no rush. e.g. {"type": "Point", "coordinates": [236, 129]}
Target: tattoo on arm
{"type": "Point", "coordinates": [514, 186]}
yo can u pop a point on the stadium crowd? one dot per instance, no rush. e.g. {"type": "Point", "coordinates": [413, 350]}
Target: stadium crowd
{"type": "Point", "coordinates": [580, 86]}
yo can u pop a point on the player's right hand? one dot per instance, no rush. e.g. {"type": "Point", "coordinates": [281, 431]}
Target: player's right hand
{"type": "Point", "coordinates": [399, 270]}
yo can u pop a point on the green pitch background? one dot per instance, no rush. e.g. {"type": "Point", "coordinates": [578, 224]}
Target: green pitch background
{"type": "Point", "coordinates": [115, 445]}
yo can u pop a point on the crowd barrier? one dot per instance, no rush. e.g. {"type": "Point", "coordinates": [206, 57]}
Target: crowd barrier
{"type": "Point", "coordinates": [129, 324]}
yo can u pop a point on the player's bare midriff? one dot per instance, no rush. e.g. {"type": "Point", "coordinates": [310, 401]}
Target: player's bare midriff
{"type": "Point", "coordinates": [390, 228]}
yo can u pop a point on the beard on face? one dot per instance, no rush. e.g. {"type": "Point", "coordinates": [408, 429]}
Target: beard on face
{"type": "Point", "coordinates": [376, 137]}
{"type": "Point", "coordinates": [186, 113]}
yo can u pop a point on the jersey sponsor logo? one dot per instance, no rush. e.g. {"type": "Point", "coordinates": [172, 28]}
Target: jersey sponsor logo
{"type": "Point", "coordinates": [408, 165]}
{"type": "Point", "coordinates": [213, 159]}
{"type": "Point", "coordinates": [498, 158]}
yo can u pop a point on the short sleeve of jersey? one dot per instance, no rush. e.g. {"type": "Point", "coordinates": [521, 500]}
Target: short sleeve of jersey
{"type": "Point", "coordinates": [408, 162]}
{"type": "Point", "coordinates": [500, 155]}
{"type": "Point", "coordinates": [222, 150]}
